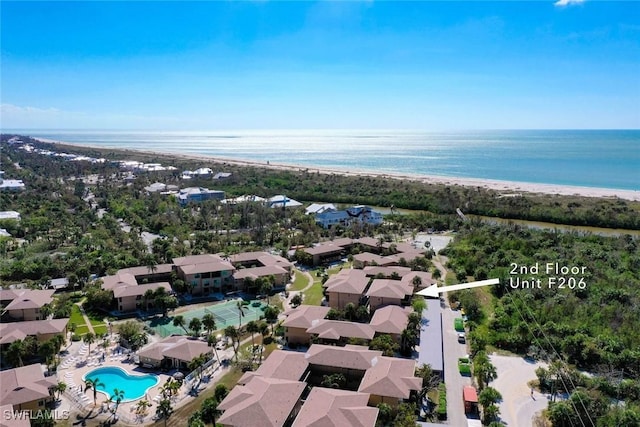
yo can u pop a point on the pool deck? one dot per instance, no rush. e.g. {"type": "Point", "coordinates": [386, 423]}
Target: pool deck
{"type": "Point", "coordinates": [79, 362]}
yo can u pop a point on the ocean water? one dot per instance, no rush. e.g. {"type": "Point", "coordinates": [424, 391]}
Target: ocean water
{"type": "Point", "coordinates": [588, 158]}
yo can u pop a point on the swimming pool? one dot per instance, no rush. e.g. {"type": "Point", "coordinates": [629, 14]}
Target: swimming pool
{"type": "Point", "coordinates": [134, 386]}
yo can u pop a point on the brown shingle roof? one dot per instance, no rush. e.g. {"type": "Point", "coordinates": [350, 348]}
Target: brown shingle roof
{"type": "Point", "coordinates": [285, 365]}
{"type": "Point", "coordinates": [348, 281]}
{"type": "Point", "coordinates": [384, 288]}
{"type": "Point", "coordinates": [207, 267]}
{"type": "Point", "coordinates": [259, 272]}
{"type": "Point", "coordinates": [118, 280]}
{"type": "Point", "coordinates": [386, 271]}
{"type": "Point", "coordinates": [348, 357]}
{"type": "Point", "coordinates": [29, 298]}
{"type": "Point", "coordinates": [304, 315]}
{"type": "Point", "coordinates": [425, 277]}
{"type": "Point", "coordinates": [176, 347]}
{"type": "Point", "coordinates": [326, 407]}
{"type": "Point", "coordinates": [10, 332]}
{"type": "Point", "coordinates": [391, 377]}
{"type": "Point", "coordinates": [24, 384]}
{"type": "Point", "coordinates": [145, 271]}
{"type": "Point", "coordinates": [264, 402]}
{"type": "Point", "coordinates": [196, 259]}
{"type": "Point", "coordinates": [11, 421]}
{"type": "Point", "coordinates": [336, 329]}
{"type": "Point", "coordinates": [390, 319]}
{"type": "Point", "coordinates": [129, 291]}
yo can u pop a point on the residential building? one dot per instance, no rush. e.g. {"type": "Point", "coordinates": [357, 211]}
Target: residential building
{"type": "Point", "coordinates": [329, 407]}
{"type": "Point", "coordinates": [198, 195]}
{"type": "Point", "coordinates": [386, 272]}
{"type": "Point", "coordinates": [259, 259]}
{"type": "Point", "coordinates": [26, 303]}
{"type": "Point", "coordinates": [26, 388]}
{"type": "Point", "coordinates": [280, 275]}
{"type": "Point", "coordinates": [11, 215]}
{"type": "Point", "coordinates": [41, 330]}
{"type": "Point", "coordinates": [131, 298]}
{"type": "Point", "coordinates": [10, 184]}
{"type": "Point", "coordinates": [348, 286]}
{"type": "Point", "coordinates": [157, 273]}
{"type": "Point", "coordinates": [388, 292]}
{"type": "Point", "coordinates": [281, 201]}
{"type": "Point", "coordinates": [299, 320]}
{"type": "Point", "coordinates": [243, 199]}
{"type": "Point", "coordinates": [350, 360]}
{"type": "Point", "coordinates": [281, 364]}
{"type": "Point", "coordinates": [316, 208]}
{"type": "Point", "coordinates": [390, 380]}
{"type": "Point", "coordinates": [357, 214]}
{"type": "Point", "coordinates": [424, 279]}
{"type": "Point", "coordinates": [339, 332]}
{"type": "Point", "coordinates": [175, 351]}
{"type": "Point", "coordinates": [205, 274]}
{"type": "Point", "coordinates": [391, 320]}
{"type": "Point", "coordinates": [268, 402]}
{"type": "Point", "coordinates": [8, 419]}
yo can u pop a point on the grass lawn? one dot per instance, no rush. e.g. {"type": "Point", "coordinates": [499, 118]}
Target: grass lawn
{"type": "Point", "coordinates": [76, 318]}
{"type": "Point", "coordinates": [100, 329]}
{"type": "Point", "coordinates": [81, 330]}
{"type": "Point", "coordinates": [300, 282]}
{"type": "Point", "coordinates": [313, 296]}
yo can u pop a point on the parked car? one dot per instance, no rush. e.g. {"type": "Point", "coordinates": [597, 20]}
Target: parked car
{"type": "Point", "coordinates": [461, 338]}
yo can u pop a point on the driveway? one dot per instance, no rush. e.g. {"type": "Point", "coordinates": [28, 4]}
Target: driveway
{"type": "Point", "coordinates": [518, 406]}
{"type": "Point", "coordinates": [453, 380]}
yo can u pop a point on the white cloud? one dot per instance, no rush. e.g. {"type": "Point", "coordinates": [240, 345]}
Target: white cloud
{"type": "Point", "coordinates": [562, 3]}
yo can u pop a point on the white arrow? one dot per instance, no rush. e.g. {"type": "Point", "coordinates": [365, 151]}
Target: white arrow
{"type": "Point", "coordinates": [434, 290]}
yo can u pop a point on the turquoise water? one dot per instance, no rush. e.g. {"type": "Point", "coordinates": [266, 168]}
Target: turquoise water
{"type": "Point", "coordinates": [588, 158]}
{"type": "Point", "coordinates": [134, 386]}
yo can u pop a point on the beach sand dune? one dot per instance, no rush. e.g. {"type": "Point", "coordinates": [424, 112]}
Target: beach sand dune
{"type": "Point", "coordinates": [507, 188]}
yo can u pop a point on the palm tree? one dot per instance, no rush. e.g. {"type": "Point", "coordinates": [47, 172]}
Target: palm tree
{"type": "Point", "coordinates": [93, 384]}
{"type": "Point", "coordinates": [263, 328]}
{"type": "Point", "coordinates": [212, 341]}
{"type": "Point", "coordinates": [179, 321]}
{"type": "Point", "coordinates": [59, 388]}
{"type": "Point", "coordinates": [483, 369]}
{"type": "Point", "coordinates": [271, 314]}
{"type": "Point", "coordinates": [164, 410]}
{"type": "Point", "coordinates": [252, 328]}
{"type": "Point", "coordinates": [209, 323]}
{"type": "Point", "coordinates": [350, 311]}
{"type": "Point", "coordinates": [16, 352]}
{"type": "Point", "coordinates": [195, 325]}
{"type": "Point", "coordinates": [89, 339]}
{"type": "Point", "coordinates": [141, 407]}
{"type": "Point", "coordinates": [149, 295]}
{"type": "Point", "coordinates": [47, 351]}
{"type": "Point", "coordinates": [118, 396]}
{"type": "Point", "coordinates": [240, 308]}
{"type": "Point", "coordinates": [210, 410]}
{"type": "Point", "coordinates": [234, 334]}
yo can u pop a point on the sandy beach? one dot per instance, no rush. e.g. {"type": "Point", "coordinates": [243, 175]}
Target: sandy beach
{"type": "Point", "coordinates": [506, 188]}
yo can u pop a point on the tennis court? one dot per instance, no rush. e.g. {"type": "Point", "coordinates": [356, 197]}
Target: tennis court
{"type": "Point", "coordinates": [226, 314]}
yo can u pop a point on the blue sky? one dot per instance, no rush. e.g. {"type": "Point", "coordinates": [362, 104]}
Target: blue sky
{"type": "Point", "coordinates": [296, 65]}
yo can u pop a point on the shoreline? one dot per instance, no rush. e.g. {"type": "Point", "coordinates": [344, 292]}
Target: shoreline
{"type": "Point", "coordinates": [511, 188]}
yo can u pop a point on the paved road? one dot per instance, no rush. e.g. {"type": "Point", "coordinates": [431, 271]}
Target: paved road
{"type": "Point", "coordinates": [518, 406]}
{"type": "Point", "coordinates": [454, 381]}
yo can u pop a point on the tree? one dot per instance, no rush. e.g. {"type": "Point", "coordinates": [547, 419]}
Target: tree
{"type": "Point", "coordinates": [418, 303]}
{"type": "Point", "coordinates": [234, 334]}
{"type": "Point", "coordinates": [384, 343]}
{"type": "Point", "coordinates": [252, 328]}
{"type": "Point", "coordinates": [59, 388]}
{"type": "Point", "coordinates": [164, 410]}
{"type": "Point", "coordinates": [16, 352]}
{"type": "Point", "coordinates": [221, 391]}
{"type": "Point", "coordinates": [483, 369]}
{"type": "Point", "coordinates": [195, 325]}
{"type": "Point", "coordinates": [89, 338]}
{"type": "Point", "coordinates": [406, 415]}
{"type": "Point", "coordinates": [266, 287]}
{"type": "Point", "coordinates": [334, 381]}
{"type": "Point", "coordinates": [350, 311]}
{"type": "Point", "coordinates": [209, 323]}
{"type": "Point", "coordinates": [240, 308]}
{"type": "Point", "coordinates": [118, 396]}
{"type": "Point", "coordinates": [488, 398]}
{"type": "Point", "coordinates": [271, 315]}
{"type": "Point", "coordinates": [408, 340]}
{"type": "Point", "coordinates": [93, 384]}
{"type": "Point", "coordinates": [132, 334]}
{"type": "Point", "coordinates": [296, 300]}
{"type": "Point", "coordinates": [47, 351]}
{"type": "Point", "coordinates": [334, 314]}
{"type": "Point", "coordinates": [209, 410]}
{"type": "Point", "coordinates": [179, 321]}
{"type": "Point", "coordinates": [195, 366]}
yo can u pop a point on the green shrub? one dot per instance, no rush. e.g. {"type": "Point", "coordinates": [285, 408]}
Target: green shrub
{"type": "Point", "coordinates": [75, 337]}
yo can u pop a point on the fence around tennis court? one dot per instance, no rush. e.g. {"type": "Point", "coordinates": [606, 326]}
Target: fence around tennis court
{"type": "Point", "coordinates": [225, 314]}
